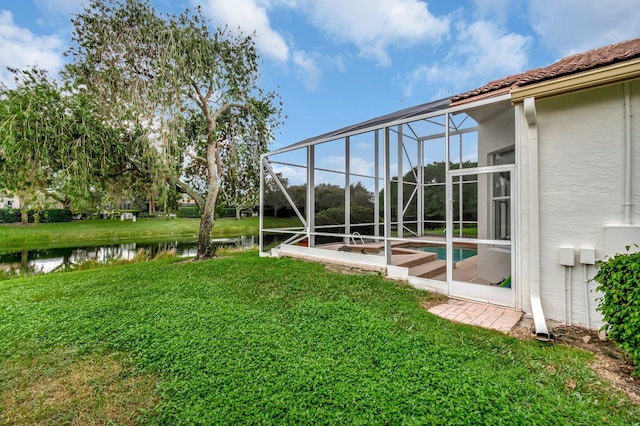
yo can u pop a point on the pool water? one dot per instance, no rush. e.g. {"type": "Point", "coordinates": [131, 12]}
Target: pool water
{"type": "Point", "coordinates": [458, 253]}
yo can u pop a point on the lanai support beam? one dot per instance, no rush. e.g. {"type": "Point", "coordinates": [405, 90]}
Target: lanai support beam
{"type": "Point", "coordinates": [310, 207]}
{"type": "Point", "coordinates": [400, 194]}
{"type": "Point", "coordinates": [285, 193]}
{"type": "Point", "coordinates": [448, 203]}
{"type": "Point", "coordinates": [387, 196]}
{"type": "Point", "coordinates": [376, 184]}
{"type": "Point", "coordinates": [420, 181]}
{"type": "Point", "coordinates": [347, 189]}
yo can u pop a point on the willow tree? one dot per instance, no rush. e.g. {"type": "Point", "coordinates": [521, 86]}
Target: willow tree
{"type": "Point", "coordinates": [53, 139]}
{"type": "Point", "coordinates": [192, 89]}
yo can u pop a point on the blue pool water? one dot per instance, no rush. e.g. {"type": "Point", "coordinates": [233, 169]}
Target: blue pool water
{"type": "Point", "coordinates": [458, 253]}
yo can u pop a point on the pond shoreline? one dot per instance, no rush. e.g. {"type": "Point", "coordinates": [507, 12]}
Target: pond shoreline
{"type": "Point", "coordinates": [46, 260]}
{"type": "Point", "coordinates": [110, 231]}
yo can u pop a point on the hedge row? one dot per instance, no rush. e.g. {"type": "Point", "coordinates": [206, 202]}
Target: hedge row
{"type": "Point", "coordinates": [44, 216]}
{"type": "Point", "coordinates": [190, 212]}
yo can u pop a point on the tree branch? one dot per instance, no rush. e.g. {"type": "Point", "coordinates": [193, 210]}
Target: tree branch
{"type": "Point", "coordinates": [192, 193]}
{"type": "Point", "coordinates": [225, 107]}
{"type": "Point", "coordinates": [62, 199]}
{"type": "Point", "coordinates": [201, 100]}
{"type": "Point", "coordinates": [195, 157]}
{"type": "Point", "coordinates": [123, 171]}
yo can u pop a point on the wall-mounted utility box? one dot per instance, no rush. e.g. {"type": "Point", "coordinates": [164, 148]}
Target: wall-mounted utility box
{"type": "Point", "coordinates": [587, 255]}
{"type": "Point", "coordinates": [567, 256]}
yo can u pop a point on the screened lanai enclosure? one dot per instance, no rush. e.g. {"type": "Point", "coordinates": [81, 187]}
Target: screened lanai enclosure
{"type": "Point", "coordinates": [425, 194]}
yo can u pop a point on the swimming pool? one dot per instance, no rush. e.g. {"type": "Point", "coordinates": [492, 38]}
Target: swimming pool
{"type": "Point", "coordinates": [458, 252]}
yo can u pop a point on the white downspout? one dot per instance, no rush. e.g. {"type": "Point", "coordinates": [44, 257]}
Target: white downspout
{"type": "Point", "coordinates": [627, 153]}
{"type": "Point", "coordinates": [534, 220]}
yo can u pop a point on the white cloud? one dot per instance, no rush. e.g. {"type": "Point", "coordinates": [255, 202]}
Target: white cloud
{"type": "Point", "coordinates": [374, 27]}
{"type": "Point", "coordinates": [311, 66]}
{"type": "Point", "coordinates": [494, 10]}
{"type": "Point", "coordinates": [334, 162]}
{"type": "Point", "coordinates": [357, 165]}
{"type": "Point", "coordinates": [295, 175]}
{"type": "Point", "coordinates": [481, 52]}
{"type": "Point", "coordinates": [572, 26]}
{"type": "Point", "coordinates": [21, 48]}
{"type": "Point", "coordinates": [361, 166]}
{"type": "Point", "coordinates": [489, 51]}
{"type": "Point", "coordinates": [311, 72]}
{"type": "Point", "coordinates": [250, 16]}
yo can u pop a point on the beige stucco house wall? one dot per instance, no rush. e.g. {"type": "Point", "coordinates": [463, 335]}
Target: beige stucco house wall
{"type": "Point", "coordinates": [581, 166]}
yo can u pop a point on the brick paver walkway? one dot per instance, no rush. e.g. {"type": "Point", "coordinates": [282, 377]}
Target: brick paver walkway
{"type": "Point", "coordinates": [480, 314]}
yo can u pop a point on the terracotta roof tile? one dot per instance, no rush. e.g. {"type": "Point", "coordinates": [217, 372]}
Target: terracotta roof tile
{"type": "Point", "coordinates": [591, 59]}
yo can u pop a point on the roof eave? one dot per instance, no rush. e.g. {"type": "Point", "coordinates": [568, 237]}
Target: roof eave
{"type": "Point", "coordinates": [603, 76]}
{"type": "Point", "coordinates": [480, 97]}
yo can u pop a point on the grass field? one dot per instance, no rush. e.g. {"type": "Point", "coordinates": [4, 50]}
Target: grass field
{"type": "Point", "coordinates": [45, 235]}
{"type": "Point", "coordinates": [245, 340]}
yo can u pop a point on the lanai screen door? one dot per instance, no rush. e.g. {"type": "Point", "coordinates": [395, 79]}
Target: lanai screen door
{"type": "Point", "coordinates": [480, 224]}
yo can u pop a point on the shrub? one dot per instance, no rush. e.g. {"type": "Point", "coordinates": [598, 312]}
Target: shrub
{"type": "Point", "coordinates": [618, 278]}
{"type": "Point", "coordinates": [44, 216]}
{"type": "Point", "coordinates": [56, 215]}
{"type": "Point", "coordinates": [9, 215]}
{"type": "Point", "coordinates": [189, 212]}
{"type": "Point", "coordinates": [226, 212]}
{"type": "Point", "coordinates": [335, 216]}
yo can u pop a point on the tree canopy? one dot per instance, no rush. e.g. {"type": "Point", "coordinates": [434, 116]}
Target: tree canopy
{"type": "Point", "coordinates": [53, 143]}
{"type": "Point", "coordinates": [192, 92]}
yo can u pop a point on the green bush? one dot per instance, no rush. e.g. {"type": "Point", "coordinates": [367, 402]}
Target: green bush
{"type": "Point", "coordinates": [335, 216]}
{"type": "Point", "coordinates": [9, 215]}
{"type": "Point", "coordinates": [618, 278]}
{"type": "Point", "coordinates": [55, 215]}
{"type": "Point", "coordinates": [44, 216]}
{"type": "Point", "coordinates": [226, 212]}
{"type": "Point", "coordinates": [189, 212]}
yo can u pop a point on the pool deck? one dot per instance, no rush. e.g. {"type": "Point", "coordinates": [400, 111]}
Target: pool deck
{"type": "Point", "coordinates": [420, 263]}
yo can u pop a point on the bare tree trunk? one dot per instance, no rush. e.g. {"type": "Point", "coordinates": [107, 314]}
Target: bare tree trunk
{"type": "Point", "coordinates": [152, 204]}
{"type": "Point", "coordinates": [24, 216]}
{"type": "Point", "coordinates": [237, 212]}
{"type": "Point", "coordinates": [24, 210]}
{"type": "Point", "coordinates": [206, 248]}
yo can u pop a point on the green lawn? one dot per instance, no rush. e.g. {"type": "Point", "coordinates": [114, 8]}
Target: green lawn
{"type": "Point", "coordinates": [245, 340]}
{"type": "Point", "coordinates": [45, 235]}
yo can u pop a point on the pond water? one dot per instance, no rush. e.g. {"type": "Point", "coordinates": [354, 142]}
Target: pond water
{"type": "Point", "coordinates": [52, 259]}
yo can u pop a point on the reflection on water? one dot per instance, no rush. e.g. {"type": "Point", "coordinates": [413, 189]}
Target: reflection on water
{"type": "Point", "coordinates": [53, 259]}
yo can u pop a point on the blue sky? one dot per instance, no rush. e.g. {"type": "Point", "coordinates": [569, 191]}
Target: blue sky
{"type": "Point", "coordinates": [337, 62]}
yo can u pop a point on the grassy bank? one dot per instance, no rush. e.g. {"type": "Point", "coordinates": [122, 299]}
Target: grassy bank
{"type": "Point", "coordinates": [244, 339]}
{"type": "Point", "coordinates": [45, 235]}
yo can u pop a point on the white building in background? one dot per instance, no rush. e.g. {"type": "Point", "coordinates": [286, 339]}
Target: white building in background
{"type": "Point", "coordinates": [8, 201]}
{"type": "Point", "coordinates": [540, 179]}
